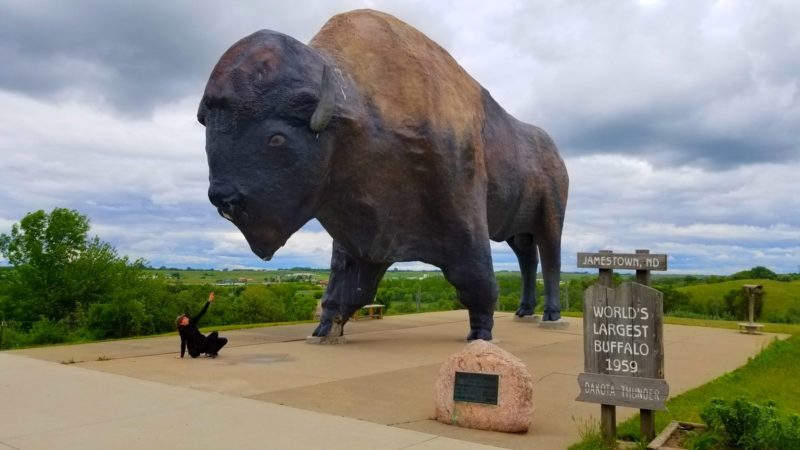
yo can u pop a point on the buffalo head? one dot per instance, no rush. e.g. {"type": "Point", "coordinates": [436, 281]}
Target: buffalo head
{"type": "Point", "coordinates": [266, 107]}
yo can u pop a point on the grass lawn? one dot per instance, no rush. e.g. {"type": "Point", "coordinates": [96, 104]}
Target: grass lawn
{"type": "Point", "coordinates": [771, 375]}
{"type": "Point", "coordinates": [779, 297]}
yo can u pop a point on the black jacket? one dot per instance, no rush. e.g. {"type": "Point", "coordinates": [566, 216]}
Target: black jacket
{"type": "Point", "coordinates": [191, 337]}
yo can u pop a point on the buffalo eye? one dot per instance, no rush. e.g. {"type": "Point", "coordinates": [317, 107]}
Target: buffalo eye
{"type": "Point", "coordinates": [276, 140]}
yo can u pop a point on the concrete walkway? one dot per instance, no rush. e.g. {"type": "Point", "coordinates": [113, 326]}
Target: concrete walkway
{"type": "Point", "coordinates": [269, 389]}
{"type": "Point", "coordinates": [54, 406]}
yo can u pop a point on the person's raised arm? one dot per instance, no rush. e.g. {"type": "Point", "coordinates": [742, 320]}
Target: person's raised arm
{"type": "Point", "coordinates": [196, 319]}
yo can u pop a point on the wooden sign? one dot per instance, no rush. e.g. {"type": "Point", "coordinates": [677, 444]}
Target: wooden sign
{"type": "Point", "coordinates": [645, 393]}
{"type": "Point", "coordinates": [629, 261]}
{"type": "Point", "coordinates": [623, 337]}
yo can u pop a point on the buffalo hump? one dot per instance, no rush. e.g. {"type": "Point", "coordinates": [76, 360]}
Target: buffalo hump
{"type": "Point", "coordinates": [405, 75]}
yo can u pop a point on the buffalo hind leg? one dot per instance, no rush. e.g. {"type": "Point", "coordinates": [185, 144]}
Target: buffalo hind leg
{"type": "Point", "coordinates": [550, 255]}
{"type": "Point", "coordinates": [525, 249]}
{"type": "Point", "coordinates": [474, 281]}
{"type": "Point", "coordinates": [352, 284]}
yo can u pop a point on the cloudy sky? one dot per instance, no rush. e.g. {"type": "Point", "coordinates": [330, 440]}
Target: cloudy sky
{"type": "Point", "coordinates": [678, 120]}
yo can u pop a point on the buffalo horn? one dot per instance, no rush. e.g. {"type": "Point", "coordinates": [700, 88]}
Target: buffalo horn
{"type": "Point", "coordinates": [327, 101]}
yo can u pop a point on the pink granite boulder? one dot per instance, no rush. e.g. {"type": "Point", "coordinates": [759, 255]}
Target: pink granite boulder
{"type": "Point", "coordinates": [514, 410]}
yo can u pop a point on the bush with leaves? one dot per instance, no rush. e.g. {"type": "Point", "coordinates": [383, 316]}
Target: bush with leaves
{"type": "Point", "coordinates": [756, 273]}
{"type": "Point", "coordinates": [64, 282]}
{"type": "Point", "coordinates": [301, 307]}
{"type": "Point", "coordinates": [508, 302]}
{"type": "Point", "coordinates": [45, 331]}
{"type": "Point", "coordinates": [737, 304]}
{"type": "Point", "coordinates": [258, 304]}
{"type": "Point", "coordinates": [120, 318]}
{"type": "Point", "coordinates": [745, 425]}
{"type": "Point", "coordinates": [675, 300]}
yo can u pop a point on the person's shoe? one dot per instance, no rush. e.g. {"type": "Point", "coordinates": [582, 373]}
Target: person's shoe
{"type": "Point", "coordinates": [213, 355]}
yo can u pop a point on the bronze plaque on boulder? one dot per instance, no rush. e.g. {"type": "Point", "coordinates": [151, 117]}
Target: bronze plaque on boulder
{"type": "Point", "coordinates": [476, 388]}
{"type": "Point", "coordinates": [467, 392]}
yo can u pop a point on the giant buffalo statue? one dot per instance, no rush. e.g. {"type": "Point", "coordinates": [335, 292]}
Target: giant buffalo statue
{"type": "Point", "coordinates": [377, 132]}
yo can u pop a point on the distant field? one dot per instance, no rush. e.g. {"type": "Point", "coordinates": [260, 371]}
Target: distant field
{"type": "Point", "coordinates": [779, 298]}
{"type": "Point", "coordinates": [239, 276]}
{"type": "Point", "coordinates": [261, 276]}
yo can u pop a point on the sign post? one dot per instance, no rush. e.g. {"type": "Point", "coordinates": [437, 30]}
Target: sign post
{"type": "Point", "coordinates": [623, 341]}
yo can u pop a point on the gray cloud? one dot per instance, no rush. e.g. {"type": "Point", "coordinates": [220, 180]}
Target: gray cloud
{"type": "Point", "coordinates": [129, 55]}
{"type": "Point", "coordinates": [711, 84]}
{"type": "Point", "coordinates": [132, 56]}
{"type": "Point", "coordinates": [678, 119]}
{"type": "Point", "coordinates": [701, 83]}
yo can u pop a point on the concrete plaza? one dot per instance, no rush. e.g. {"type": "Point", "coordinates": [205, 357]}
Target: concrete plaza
{"type": "Point", "coordinates": [269, 389]}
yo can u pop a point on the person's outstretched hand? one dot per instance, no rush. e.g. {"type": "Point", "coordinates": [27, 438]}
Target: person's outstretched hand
{"type": "Point", "coordinates": [211, 297]}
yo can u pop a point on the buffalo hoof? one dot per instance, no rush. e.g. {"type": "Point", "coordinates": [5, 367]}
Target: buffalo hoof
{"type": "Point", "coordinates": [330, 327]}
{"type": "Point", "coordinates": [479, 333]}
{"type": "Point", "coordinates": [551, 316]}
{"type": "Point", "coordinates": [524, 311]}
{"type": "Point", "coordinates": [323, 329]}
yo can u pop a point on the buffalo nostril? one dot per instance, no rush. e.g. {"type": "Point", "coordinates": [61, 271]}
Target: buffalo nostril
{"type": "Point", "coordinates": [228, 201]}
{"type": "Point", "coordinates": [223, 195]}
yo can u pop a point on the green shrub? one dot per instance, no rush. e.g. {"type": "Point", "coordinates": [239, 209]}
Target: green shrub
{"type": "Point", "coordinates": [758, 272]}
{"type": "Point", "coordinates": [745, 425]}
{"type": "Point", "coordinates": [738, 304]}
{"type": "Point", "coordinates": [301, 307]}
{"type": "Point", "coordinates": [16, 335]}
{"type": "Point", "coordinates": [509, 302]}
{"type": "Point", "coordinates": [403, 307]}
{"type": "Point", "coordinates": [45, 331]}
{"type": "Point", "coordinates": [675, 300]}
{"type": "Point", "coordinates": [118, 319]}
{"type": "Point", "coordinates": [781, 433]}
{"type": "Point", "coordinates": [447, 304]}
{"type": "Point", "coordinates": [258, 304]}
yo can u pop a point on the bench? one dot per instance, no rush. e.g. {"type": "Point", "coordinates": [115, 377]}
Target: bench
{"type": "Point", "coordinates": [750, 327]}
{"type": "Point", "coordinates": [373, 311]}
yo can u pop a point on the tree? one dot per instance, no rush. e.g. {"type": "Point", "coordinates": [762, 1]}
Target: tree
{"type": "Point", "coordinates": [42, 239]}
{"type": "Point", "coordinates": [758, 273]}
{"type": "Point", "coordinates": [41, 247]}
{"type": "Point", "coordinates": [259, 304]}
{"type": "Point", "coordinates": [59, 271]}
{"type": "Point", "coordinates": [675, 300]}
{"type": "Point", "coordinates": [738, 304]}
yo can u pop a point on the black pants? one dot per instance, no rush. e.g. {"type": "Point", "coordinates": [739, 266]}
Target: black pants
{"type": "Point", "coordinates": [214, 343]}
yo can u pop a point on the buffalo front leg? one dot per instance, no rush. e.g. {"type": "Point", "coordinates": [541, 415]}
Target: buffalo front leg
{"type": "Point", "coordinates": [474, 281]}
{"type": "Point", "coordinates": [527, 255]}
{"type": "Point", "coordinates": [352, 284]}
